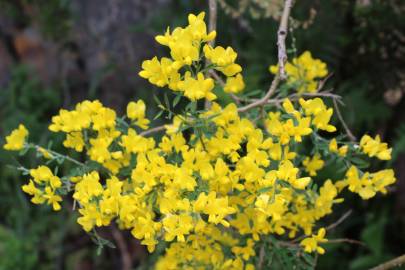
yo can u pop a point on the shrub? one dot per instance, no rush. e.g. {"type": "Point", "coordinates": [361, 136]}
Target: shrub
{"type": "Point", "coordinates": [226, 186]}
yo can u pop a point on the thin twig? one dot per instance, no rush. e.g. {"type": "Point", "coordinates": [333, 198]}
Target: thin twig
{"type": "Point", "coordinates": [281, 37]}
{"type": "Point", "coordinates": [345, 240]}
{"type": "Point", "coordinates": [288, 244]}
{"type": "Point", "coordinates": [298, 96]}
{"type": "Point", "coordinates": [316, 260]}
{"type": "Point", "coordinates": [122, 246]}
{"type": "Point", "coordinates": [330, 227]}
{"type": "Point", "coordinates": [330, 241]}
{"type": "Point", "coordinates": [152, 130]}
{"type": "Point", "coordinates": [339, 221]}
{"type": "Point", "coordinates": [261, 257]}
{"type": "Point", "coordinates": [323, 82]}
{"type": "Point", "coordinates": [346, 128]}
{"type": "Point", "coordinates": [326, 93]}
{"type": "Point", "coordinates": [212, 23]}
{"type": "Point", "coordinates": [216, 77]}
{"type": "Point", "coordinates": [264, 99]}
{"type": "Point", "coordinates": [391, 264]}
{"type": "Point", "coordinates": [282, 58]}
{"type": "Point", "coordinates": [56, 154]}
{"type": "Point", "coordinates": [212, 26]}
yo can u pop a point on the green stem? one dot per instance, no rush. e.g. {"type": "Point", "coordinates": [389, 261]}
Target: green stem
{"type": "Point", "coordinates": [123, 122]}
{"type": "Point", "coordinates": [23, 169]}
{"type": "Point", "coordinates": [56, 154]}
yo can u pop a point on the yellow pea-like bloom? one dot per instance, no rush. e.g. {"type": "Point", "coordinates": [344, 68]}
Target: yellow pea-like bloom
{"type": "Point", "coordinates": [321, 115]}
{"type": "Point", "coordinates": [374, 147]}
{"type": "Point", "coordinates": [341, 151]}
{"type": "Point", "coordinates": [43, 187]}
{"type": "Point", "coordinates": [311, 244]}
{"type": "Point", "coordinates": [314, 164]}
{"type": "Point", "coordinates": [196, 89]}
{"type": "Point", "coordinates": [224, 59]}
{"type": "Point", "coordinates": [234, 84]}
{"type": "Point", "coordinates": [160, 73]}
{"type": "Point", "coordinates": [74, 140]}
{"type": "Point", "coordinates": [136, 112]}
{"type": "Point", "coordinates": [177, 226]}
{"type": "Point", "coordinates": [16, 140]}
{"type": "Point", "coordinates": [303, 72]}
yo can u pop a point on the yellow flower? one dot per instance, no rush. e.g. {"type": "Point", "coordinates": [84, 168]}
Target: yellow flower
{"type": "Point", "coordinates": [196, 89]}
{"type": "Point", "coordinates": [216, 208]}
{"type": "Point", "coordinates": [224, 59]}
{"type": "Point", "coordinates": [74, 140]}
{"type": "Point", "coordinates": [311, 244]}
{"type": "Point", "coordinates": [333, 147]}
{"type": "Point", "coordinates": [234, 84]}
{"type": "Point", "coordinates": [52, 198]}
{"type": "Point", "coordinates": [136, 112]}
{"type": "Point", "coordinates": [99, 149]}
{"type": "Point", "coordinates": [303, 72]}
{"type": "Point", "coordinates": [68, 121]}
{"type": "Point", "coordinates": [103, 119]}
{"type": "Point", "coordinates": [45, 153]}
{"type": "Point", "coordinates": [145, 228]}
{"type": "Point", "coordinates": [88, 188]}
{"type": "Point", "coordinates": [184, 43]}
{"type": "Point", "coordinates": [177, 226]}
{"type": "Point", "coordinates": [320, 113]}
{"type": "Point", "coordinates": [274, 207]}
{"type": "Point", "coordinates": [198, 28]}
{"type": "Point", "coordinates": [369, 183]}
{"type": "Point", "coordinates": [247, 251]}
{"type": "Point", "coordinates": [134, 143]}
{"type": "Point", "coordinates": [160, 73]}
{"type": "Point", "coordinates": [16, 140]}
{"type": "Point", "coordinates": [43, 187]}
{"type": "Point", "coordinates": [313, 164]}
{"type": "Point", "coordinates": [41, 174]}
{"type": "Point", "coordinates": [174, 127]}
{"type": "Point", "coordinates": [374, 147]}
{"type": "Point", "coordinates": [287, 172]}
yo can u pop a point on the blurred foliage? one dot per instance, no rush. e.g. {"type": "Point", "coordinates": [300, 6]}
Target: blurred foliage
{"type": "Point", "coordinates": [254, 8]}
{"type": "Point", "coordinates": [23, 227]}
{"type": "Point", "coordinates": [363, 43]}
{"type": "Point", "coordinates": [53, 17]}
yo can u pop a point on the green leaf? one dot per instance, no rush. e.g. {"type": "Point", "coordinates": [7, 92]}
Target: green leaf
{"type": "Point", "coordinates": [158, 115]}
{"type": "Point", "coordinates": [373, 235]}
{"type": "Point", "coordinates": [265, 189]}
{"type": "Point", "coordinates": [176, 100]}
{"type": "Point", "coordinates": [23, 151]}
{"type": "Point", "coordinates": [308, 258]}
{"type": "Point", "coordinates": [167, 103]}
{"type": "Point", "coordinates": [359, 162]}
{"type": "Point", "coordinates": [157, 100]}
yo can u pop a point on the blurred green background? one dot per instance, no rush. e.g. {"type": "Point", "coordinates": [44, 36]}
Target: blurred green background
{"type": "Point", "coordinates": [56, 53]}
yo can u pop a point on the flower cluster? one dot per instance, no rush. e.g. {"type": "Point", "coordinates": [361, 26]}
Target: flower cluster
{"type": "Point", "coordinates": [216, 184]}
{"type": "Point", "coordinates": [369, 183]}
{"type": "Point", "coordinates": [184, 71]}
{"type": "Point", "coordinates": [44, 187]}
{"type": "Point", "coordinates": [304, 72]}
